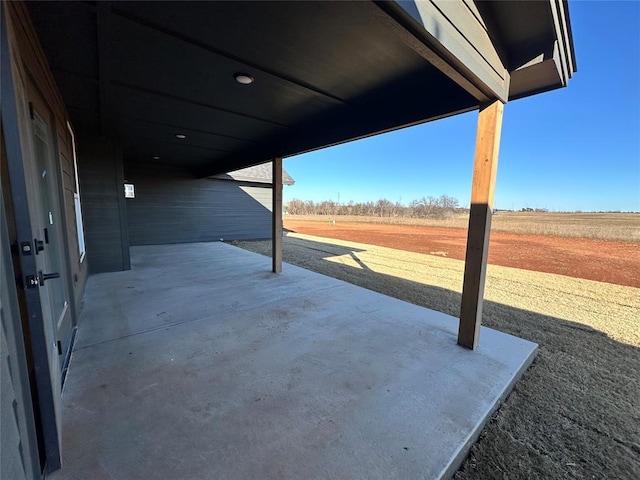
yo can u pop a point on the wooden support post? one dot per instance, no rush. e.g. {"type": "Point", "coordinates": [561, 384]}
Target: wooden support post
{"type": "Point", "coordinates": [482, 190]}
{"type": "Point", "coordinates": [276, 215]}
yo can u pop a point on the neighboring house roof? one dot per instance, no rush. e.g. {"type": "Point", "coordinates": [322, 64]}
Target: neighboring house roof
{"type": "Point", "coordinates": [258, 173]}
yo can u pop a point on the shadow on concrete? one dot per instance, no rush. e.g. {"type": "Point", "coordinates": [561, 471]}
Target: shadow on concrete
{"type": "Point", "coordinates": [571, 408]}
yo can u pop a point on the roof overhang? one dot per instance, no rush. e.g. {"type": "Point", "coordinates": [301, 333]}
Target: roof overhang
{"type": "Point", "coordinates": [494, 49]}
{"type": "Point", "coordinates": [324, 72]}
{"type": "Point", "coordinates": [262, 173]}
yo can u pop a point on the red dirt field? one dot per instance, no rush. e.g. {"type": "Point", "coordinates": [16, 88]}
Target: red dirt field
{"type": "Point", "coordinates": [599, 260]}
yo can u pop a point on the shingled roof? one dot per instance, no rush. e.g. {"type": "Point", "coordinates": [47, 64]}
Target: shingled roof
{"type": "Point", "coordinates": [258, 174]}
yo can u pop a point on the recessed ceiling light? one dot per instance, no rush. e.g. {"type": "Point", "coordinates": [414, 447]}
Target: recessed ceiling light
{"type": "Point", "coordinates": [156, 158]}
{"type": "Point", "coordinates": [181, 136]}
{"type": "Point", "coordinates": [243, 78]}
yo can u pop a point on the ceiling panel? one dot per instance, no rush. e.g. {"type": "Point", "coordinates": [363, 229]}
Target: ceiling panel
{"type": "Point", "coordinates": [84, 121]}
{"type": "Point", "coordinates": [142, 150]}
{"type": "Point", "coordinates": [325, 72]}
{"type": "Point", "coordinates": [134, 128]}
{"type": "Point", "coordinates": [75, 28]}
{"type": "Point", "coordinates": [79, 91]}
{"type": "Point", "coordinates": [338, 47]}
{"type": "Point", "coordinates": [524, 28]}
{"type": "Point", "coordinates": [154, 107]}
{"type": "Point", "coordinates": [142, 56]}
{"type": "Point", "coordinates": [418, 96]}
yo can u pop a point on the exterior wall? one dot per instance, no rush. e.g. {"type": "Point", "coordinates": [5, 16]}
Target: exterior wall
{"type": "Point", "coordinates": [18, 454]}
{"type": "Point", "coordinates": [34, 67]}
{"type": "Point", "coordinates": [77, 262]}
{"type": "Point", "coordinates": [174, 207]}
{"type": "Point", "coordinates": [11, 460]}
{"type": "Point", "coordinates": [104, 210]}
{"type": "Point", "coordinates": [26, 353]}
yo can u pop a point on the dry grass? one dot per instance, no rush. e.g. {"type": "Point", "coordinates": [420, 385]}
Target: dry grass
{"type": "Point", "coordinates": [456, 221]}
{"type": "Point", "coordinates": [575, 413]}
{"type": "Point", "coordinates": [602, 226]}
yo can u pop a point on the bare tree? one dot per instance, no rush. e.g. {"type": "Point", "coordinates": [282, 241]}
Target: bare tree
{"type": "Point", "coordinates": [425, 207]}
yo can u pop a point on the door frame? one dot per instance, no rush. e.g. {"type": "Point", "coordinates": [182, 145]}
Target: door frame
{"type": "Point", "coordinates": [46, 401]}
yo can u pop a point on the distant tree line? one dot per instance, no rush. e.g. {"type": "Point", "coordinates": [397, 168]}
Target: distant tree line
{"type": "Point", "coordinates": [529, 209]}
{"type": "Point", "coordinates": [425, 207]}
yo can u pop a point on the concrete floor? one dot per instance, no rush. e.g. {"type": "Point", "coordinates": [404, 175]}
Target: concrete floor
{"type": "Point", "coordinates": [201, 364]}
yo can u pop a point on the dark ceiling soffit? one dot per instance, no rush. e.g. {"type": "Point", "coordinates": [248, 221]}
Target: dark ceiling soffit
{"type": "Point", "coordinates": [251, 65]}
{"type": "Point", "coordinates": [200, 104]}
{"type": "Point", "coordinates": [553, 68]}
{"type": "Point", "coordinates": [416, 37]}
{"type": "Point", "coordinates": [170, 142]}
{"type": "Point", "coordinates": [103, 14]}
{"type": "Point", "coordinates": [229, 166]}
{"type": "Point", "coordinates": [134, 18]}
{"type": "Point", "coordinates": [104, 11]}
{"type": "Point", "coordinates": [190, 129]}
{"type": "Point", "coordinates": [105, 113]}
{"type": "Point", "coordinates": [538, 67]}
{"type": "Point", "coordinates": [67, 73]}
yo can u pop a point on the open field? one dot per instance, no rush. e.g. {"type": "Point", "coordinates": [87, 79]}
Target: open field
{"type": "Point", "coordinates": [602, 226]}
{"type": "Point", "coordinates": [609, 261]}
{"type": "Point", "coordinates": [575, 413]}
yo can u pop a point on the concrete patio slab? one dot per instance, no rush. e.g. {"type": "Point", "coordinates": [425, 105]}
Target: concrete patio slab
{"type": "Point", "coordinates": [201, 364]}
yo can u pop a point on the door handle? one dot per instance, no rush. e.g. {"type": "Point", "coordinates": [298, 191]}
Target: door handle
{"type": "Point", "coordinates": [46, 276]}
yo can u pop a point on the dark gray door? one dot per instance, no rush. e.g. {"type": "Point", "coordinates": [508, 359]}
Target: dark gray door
{"type": "Point", "coordinates": [41, 175]}
{"type": "Point", "coordinates": [28, 207]}
{"type": "Point", "coordinates": [51, 266]}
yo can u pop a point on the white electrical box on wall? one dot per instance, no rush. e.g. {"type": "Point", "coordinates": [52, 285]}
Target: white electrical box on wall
{"type": "Point", "coordinates": [129, 191]}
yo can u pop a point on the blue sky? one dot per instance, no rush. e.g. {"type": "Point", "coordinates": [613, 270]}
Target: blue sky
{"type": "Point", "coordinates": [576, 148]}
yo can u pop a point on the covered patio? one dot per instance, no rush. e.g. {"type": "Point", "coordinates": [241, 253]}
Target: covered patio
{"type": "Point", "coordinates": [201, 360]}
{"type": "Point", "coordinates": [201, 363]}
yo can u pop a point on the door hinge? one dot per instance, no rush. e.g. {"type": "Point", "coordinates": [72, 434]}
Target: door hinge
{"type": "Point", "coordinates": [59, 347]}
{"type": "Point", "coordinates": [31, 114]}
